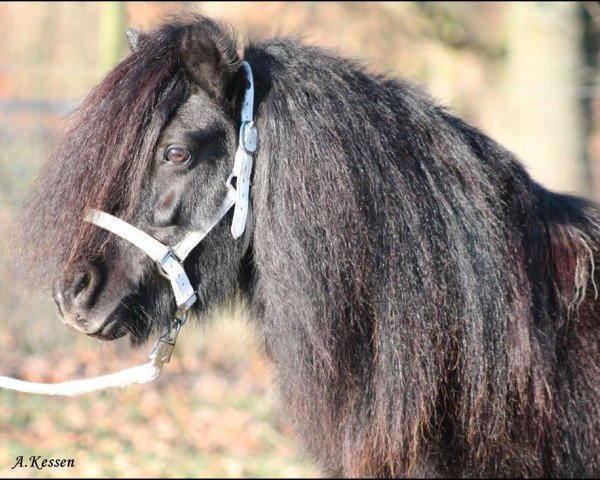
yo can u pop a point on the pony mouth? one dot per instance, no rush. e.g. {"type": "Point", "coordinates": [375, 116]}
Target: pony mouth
{"type": "Point", "coordinates": [137, 329]}
{"type": "Point", "coordinates": [111, 330]}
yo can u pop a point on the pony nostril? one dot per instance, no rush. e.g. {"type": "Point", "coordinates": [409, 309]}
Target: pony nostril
{"type": "Point", "coordinates": [81, 283]}
{"type": "Point", "coordinates": [85, 285]}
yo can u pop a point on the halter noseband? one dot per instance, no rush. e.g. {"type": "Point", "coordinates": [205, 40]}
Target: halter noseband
{"type": "Point", "coordinates": [169, 261]}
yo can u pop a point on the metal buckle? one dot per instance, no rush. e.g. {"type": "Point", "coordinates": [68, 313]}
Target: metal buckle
{"type": "Point", "coordinates": [170, 256]}
{"type": "Point", "coordinates": [248, 137]}
{"type": "Point", "coordinates": [172, 260]}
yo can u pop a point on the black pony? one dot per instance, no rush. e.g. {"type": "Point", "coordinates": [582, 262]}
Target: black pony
{"type": "Point", "coordinates": [430, 309]}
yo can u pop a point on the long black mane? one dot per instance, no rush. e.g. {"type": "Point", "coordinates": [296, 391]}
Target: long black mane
{"type": "Point", "coordinates": [430, 309]}
{"type": "Point", "coordinates": [439, 295]}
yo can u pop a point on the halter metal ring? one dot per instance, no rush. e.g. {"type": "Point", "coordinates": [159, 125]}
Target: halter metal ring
{"type": "Point", "coordinates": [248, 137]}
{"type": "Point", "coordinates": [169, 257]}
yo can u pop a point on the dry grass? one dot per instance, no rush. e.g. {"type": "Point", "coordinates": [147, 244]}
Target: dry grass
{"type": "Point", "coordinates": [212, 414]}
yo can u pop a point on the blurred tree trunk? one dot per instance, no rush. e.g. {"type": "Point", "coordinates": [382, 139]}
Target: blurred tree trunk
{"type": "Point", "coordinates": [591, 102]}
{"type": "Point", "coordinates": [544, 125]}
{"type": "Point", "coordinates": [111, 34]}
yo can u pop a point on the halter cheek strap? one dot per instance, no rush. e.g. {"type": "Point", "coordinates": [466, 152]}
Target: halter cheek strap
{"type": "Point", "coordinates": [169, 261]}
{"type": "Point", "coordinates": [242, 167]}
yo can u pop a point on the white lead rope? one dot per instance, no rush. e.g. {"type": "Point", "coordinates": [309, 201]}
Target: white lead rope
{"type": "Point", "coordinates": [160, 354]}
{"type": "Point", "coordinates": [135, 375]}
{"type": "Point", "coordinates": [170, 264]}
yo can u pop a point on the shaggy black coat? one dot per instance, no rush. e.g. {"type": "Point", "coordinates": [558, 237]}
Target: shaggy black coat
{"type": "Point", "coordinates": [429, 308]}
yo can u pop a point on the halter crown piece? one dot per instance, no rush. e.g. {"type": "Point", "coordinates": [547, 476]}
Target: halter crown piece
{"type": "Point", "coordinates": [169, 261]}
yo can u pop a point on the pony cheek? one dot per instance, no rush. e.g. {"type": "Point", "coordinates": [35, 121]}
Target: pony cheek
{"type": "Point", "coordinates": [167, 210]}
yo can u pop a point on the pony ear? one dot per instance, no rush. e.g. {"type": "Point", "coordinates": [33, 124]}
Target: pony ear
{"type": "Point", "coordinates": [210, 57]}
{"type": "Point", "coordinates": [133, 38]}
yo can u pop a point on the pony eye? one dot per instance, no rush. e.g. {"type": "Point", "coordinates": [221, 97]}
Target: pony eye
{"type": "Point", "coordinates": [177, 155]}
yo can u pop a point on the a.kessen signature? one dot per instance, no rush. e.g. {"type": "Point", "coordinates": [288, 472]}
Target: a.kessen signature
{"type": "Point", "coordinates": [39, 462]}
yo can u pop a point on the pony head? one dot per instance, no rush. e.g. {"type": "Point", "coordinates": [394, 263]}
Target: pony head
{"type": "Point", "coordinates": [153, 145]}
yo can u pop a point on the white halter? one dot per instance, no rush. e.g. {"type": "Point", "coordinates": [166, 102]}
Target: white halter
{"type": "Point", "coordinates": [169, 260]}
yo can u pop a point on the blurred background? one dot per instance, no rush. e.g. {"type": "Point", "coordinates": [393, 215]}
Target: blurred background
{"type": "Point", "coordinates": [526, 73]}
